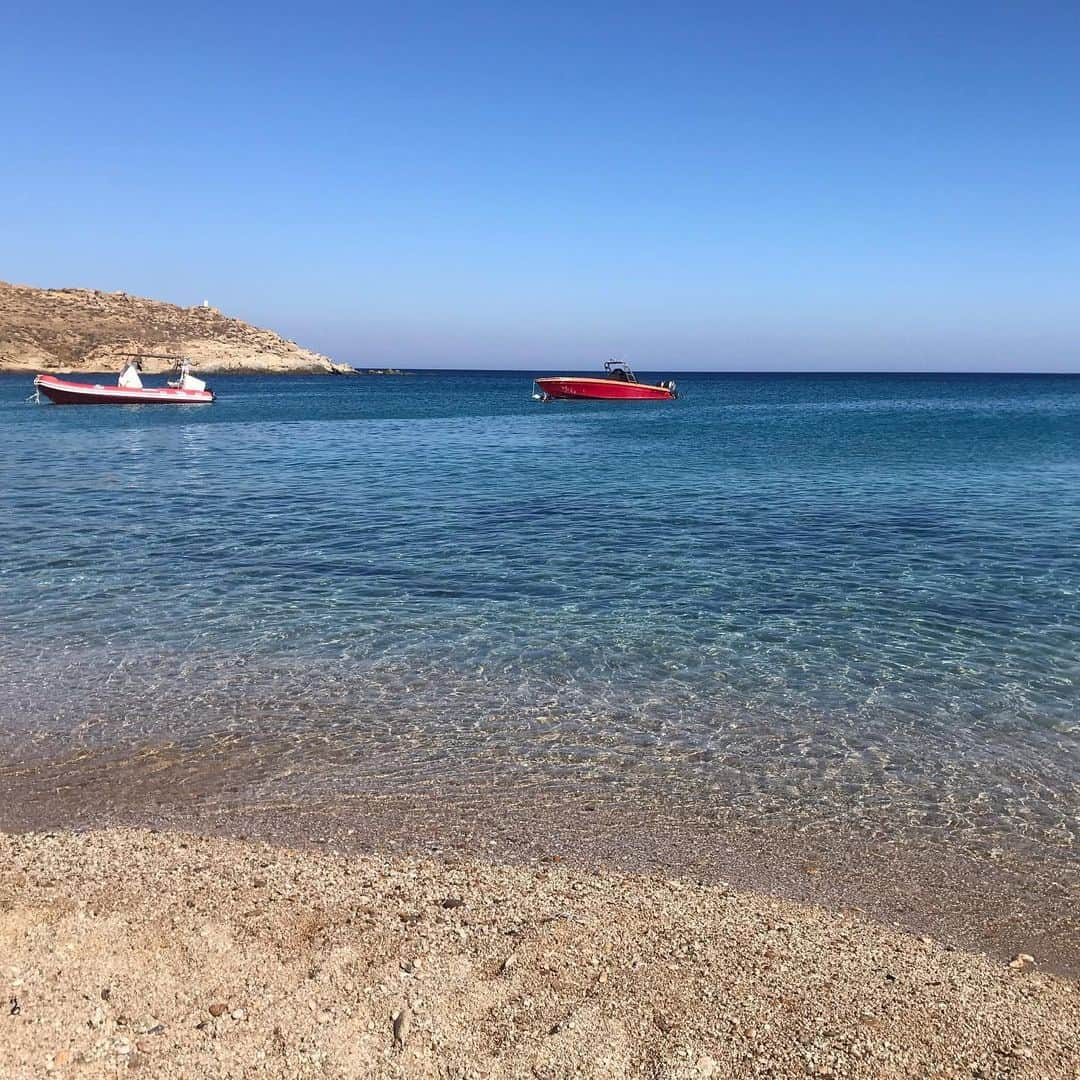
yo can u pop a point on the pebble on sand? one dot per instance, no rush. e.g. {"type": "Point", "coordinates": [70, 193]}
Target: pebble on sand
{"type": "Point", "coordinates": [401, 1021]}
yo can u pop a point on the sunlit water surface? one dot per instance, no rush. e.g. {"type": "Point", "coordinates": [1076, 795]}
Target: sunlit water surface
{"type": "Point", "coordinates": [835, 599]}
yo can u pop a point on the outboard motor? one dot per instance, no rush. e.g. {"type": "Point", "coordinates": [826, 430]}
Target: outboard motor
{"type": "Point", "coordinates": [670, 387]}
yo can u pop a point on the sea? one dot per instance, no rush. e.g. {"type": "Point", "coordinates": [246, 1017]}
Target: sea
{"type": "Point", "coordinates": [837, 604]}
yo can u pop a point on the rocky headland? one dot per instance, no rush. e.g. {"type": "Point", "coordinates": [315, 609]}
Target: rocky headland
{"type": "Point", "coordinates": [88, 330]}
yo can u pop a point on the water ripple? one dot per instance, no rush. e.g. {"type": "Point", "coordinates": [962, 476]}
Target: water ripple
{"type": "Point", "coordinates": [850, 598]}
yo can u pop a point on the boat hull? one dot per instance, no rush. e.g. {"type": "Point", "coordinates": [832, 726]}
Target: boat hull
{"type": "Point", "coordinates": [64, 392]}
{"type": "Point", "coordinates": [574, 386]}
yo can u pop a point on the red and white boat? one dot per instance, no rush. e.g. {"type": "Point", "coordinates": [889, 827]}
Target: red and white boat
{"type": "Point", "coordinates": [618, 384]}
{"type": "Point", "coordinates": [186, 390]}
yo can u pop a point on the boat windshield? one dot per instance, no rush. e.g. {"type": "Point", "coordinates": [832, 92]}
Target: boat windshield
{"type": "Point", "coordinates": [619, 370]}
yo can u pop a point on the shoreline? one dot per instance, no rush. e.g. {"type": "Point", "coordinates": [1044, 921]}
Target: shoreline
{"type": "Point", "coordinates": [1003, 905]}
{"type": "Point", "coordinates": [194, 956]}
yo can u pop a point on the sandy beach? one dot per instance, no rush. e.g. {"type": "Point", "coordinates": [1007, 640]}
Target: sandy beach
{"type": "Point", "coordinates": [185, 956]}
{"type": "Point", "coordinates": [676, 677]}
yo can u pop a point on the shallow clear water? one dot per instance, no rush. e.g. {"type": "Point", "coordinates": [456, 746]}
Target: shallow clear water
{"type": "Point", "coordinates": [850, 598]}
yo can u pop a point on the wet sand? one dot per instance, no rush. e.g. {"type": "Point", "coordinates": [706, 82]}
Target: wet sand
{"type": "Point", "coordinates": [1000, 902]}
{"type": "Point", "coordinates": [186, 956]}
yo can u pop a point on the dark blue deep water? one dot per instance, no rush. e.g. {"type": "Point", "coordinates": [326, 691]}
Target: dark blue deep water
{"type": "Point", "coordinates": [858, 595]}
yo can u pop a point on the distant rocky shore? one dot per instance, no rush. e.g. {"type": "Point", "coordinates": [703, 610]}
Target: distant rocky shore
{"type": "Point", "coordinates": [88, 330]}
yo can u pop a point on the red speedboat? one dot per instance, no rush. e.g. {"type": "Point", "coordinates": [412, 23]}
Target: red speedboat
{"type": "Point", "coordinates": [129, 390]}
{"type": "Point", "coordinates": [618, 383]}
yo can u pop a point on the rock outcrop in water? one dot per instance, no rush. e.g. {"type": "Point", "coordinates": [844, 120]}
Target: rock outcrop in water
{"type": "Point", "coordinates": [87, 330]}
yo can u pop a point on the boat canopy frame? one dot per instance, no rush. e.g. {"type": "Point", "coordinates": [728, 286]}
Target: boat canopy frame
{"type": "Point", "coordinates": [176, 358]}
{"type": "Point", "coordinates": [619, 369]}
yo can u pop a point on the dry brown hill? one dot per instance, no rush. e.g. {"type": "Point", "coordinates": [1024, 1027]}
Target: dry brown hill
{"type": "Point", "coordinates": [86, 330]}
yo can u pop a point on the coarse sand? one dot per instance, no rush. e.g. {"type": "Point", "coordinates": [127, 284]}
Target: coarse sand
{"type": "Point", "coordinates": [182, 956]}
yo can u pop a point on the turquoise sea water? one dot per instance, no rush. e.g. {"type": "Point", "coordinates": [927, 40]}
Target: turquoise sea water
{"type": "Point", "coordinates": [854, 598]}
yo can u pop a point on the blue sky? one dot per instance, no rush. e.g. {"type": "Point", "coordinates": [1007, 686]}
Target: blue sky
{"type": "Point", "coordinates": [772, 185]}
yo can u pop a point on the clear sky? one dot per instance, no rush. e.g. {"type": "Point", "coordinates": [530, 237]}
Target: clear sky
{"type": "Point", "coordinates": [719, 186]}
